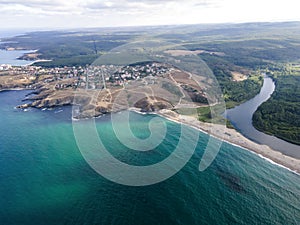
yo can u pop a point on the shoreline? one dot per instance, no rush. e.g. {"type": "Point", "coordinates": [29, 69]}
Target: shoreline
{"type": "Point", "coordinates": [15, 89]}
{"type": "Point", "coordinates": [28, 51]}
{"type": "Point", "coordinates": [235, 138]}
{"type": "Point", "coordinates": [225, 134]}
{"type": "Point", "coordinates": [38, 60]}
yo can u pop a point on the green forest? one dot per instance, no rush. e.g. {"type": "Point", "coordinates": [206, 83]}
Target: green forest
{"type": "Point", "coordinates": [280, 115]}
{"type": "Point", "coordinates": [249, 49]}
{"type": "Point", "coordinates": [234, 92]}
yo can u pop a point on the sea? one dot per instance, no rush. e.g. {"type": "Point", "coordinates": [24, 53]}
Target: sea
{"type": "Point", "coordinates": [11, 57]}
{"type": "Point", "coordinates": [44, 178]}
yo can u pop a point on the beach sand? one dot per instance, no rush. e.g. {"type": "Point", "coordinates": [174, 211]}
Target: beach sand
{"type": "Point", "coordinates": [234, 137]}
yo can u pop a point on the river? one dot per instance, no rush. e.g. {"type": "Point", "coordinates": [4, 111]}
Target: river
{"type": "Point", "coordinates": [241, 119]}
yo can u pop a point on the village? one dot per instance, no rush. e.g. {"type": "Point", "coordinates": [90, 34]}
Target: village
{"type": "Point", "coordinates": [91, 77]}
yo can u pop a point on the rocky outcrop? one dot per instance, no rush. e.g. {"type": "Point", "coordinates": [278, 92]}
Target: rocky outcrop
{"type": "Point", "coordinates": [152, 104]}
{"type": "Point", "coordinates": [49, 102]}
{"type": "Point", "coordinates": [50, 99]}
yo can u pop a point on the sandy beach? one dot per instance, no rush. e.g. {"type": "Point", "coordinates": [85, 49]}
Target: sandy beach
{"type": "Point", "coordinates": [234, 137]}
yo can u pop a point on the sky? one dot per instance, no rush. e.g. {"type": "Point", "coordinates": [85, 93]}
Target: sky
{"type": "Point", "coordinates": [114, 13]}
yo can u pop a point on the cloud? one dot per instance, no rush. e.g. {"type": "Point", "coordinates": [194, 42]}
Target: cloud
{"type": "Point", "coordinates": [33, 3]}
{"type": "Point", "coordinates": [166, 1]}
{"type": "Point", "coordinates": [98, 5]}
{"type": "Point", "coordinates": [141, 12]}
{"type": "Point", "coordinates": [37, 7]}
{"type": "Point", "coordinates": [82, 6]}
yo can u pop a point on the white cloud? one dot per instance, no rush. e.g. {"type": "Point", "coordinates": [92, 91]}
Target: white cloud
{"type": "Point", "coordinates": [69, 13]}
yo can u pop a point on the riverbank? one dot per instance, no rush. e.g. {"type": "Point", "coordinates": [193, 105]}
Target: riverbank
{"type": "Point", "coordinates": [234, 137]}
{"type": "Point", "coordinates": [241, 119]}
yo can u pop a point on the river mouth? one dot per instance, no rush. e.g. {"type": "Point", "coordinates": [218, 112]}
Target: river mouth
{"type": "Point", "coordinates": [241, 119]}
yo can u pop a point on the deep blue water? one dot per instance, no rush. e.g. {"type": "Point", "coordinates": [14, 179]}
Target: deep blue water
{"type": "Point", "coordinates": [44, 179]}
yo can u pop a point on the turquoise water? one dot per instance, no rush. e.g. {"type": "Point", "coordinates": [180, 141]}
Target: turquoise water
{"type": "Point", "coordinates": [45, 180]}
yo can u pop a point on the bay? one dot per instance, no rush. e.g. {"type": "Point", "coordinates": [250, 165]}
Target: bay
{"type": "Point", "coordinates": [11, 57]}
{"type": "Point", "coordinates": [44, 179]}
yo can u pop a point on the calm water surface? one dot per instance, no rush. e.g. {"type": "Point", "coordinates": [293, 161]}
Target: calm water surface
{"type": "Point", "coordinates": [45, 180]}
{"type": "Point", "coordinates": [10, 57]}
{"type": "Point", "coordinates": [241, 118]}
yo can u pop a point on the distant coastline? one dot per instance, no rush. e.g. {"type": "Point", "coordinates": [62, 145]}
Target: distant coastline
{"type": "Point", "coordinates": [17, 57]}
{"type": "Point", "coordinates": [230, 136]}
